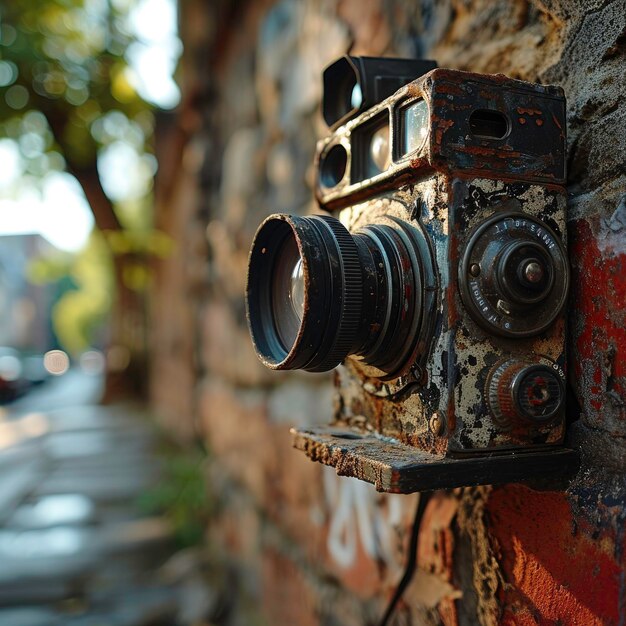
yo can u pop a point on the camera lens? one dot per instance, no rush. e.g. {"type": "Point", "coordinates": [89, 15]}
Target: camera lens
{"type": "Point", "coordinates": [353, 84]}
{"type": "Point", "coordinates": [380, 149]}
{"type": "Point", "coordinates": [414, 125]}
{"type": "Point", "coordinates": [356, 97]}
{"type": "Point", "coordinates": [342, 92]}
{"type": "Point", "coordinates": [288, 293]}
{"type": "Point", "coordinates": [317, 294]}
{"type": "Point", "coordinates": [371, 148]}
{"type": "Point", "coordinates": [304, 292]}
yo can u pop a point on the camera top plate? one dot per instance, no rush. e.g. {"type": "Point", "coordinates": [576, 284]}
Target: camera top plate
{"type": "Point", "coordinates": [484, 126]}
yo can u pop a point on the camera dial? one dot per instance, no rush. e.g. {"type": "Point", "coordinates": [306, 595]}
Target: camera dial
{"type": "Point", "coordinates": [516, 389]}
{"type": "Point", "coordinates": [513, 276]}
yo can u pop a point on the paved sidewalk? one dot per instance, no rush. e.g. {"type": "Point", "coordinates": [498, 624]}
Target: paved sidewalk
{"type": "Point", "coordinates": [74, 547]}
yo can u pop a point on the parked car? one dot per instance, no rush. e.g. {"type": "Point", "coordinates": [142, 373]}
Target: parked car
{"type": "Point", "coordinates": [12, 380]}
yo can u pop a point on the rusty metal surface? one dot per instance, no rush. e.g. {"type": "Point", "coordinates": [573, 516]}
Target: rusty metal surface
{"type": "Point", "coordinates": [532, 150]}
{"type": "Point", "coordinates": [394, 467]}
{"type": "Point", "coordinates": [534, 146]}
{"type": "Point", "coordinates": [448, 377]}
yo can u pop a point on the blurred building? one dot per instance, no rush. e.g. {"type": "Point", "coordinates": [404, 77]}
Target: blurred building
{"type": "Point", "coordinates": [25, 307]}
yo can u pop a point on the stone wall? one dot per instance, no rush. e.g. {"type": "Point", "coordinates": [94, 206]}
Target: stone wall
{"type": "Point", "coordinates": [305, 546]}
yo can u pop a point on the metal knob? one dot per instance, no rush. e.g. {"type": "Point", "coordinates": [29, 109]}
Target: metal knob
{"type": "Point", "coordinates": [521, 389]}
{"type": "Point", "coordinates": [532, 271]}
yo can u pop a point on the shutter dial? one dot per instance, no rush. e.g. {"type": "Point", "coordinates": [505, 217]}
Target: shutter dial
{"type": "Point", "coordinates": [514, 275]}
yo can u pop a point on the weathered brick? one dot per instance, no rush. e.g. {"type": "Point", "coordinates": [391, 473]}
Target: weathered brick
{"type": "Point", "coordinates": [258, 454]}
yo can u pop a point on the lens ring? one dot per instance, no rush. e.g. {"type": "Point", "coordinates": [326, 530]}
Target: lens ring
{"type": "Point", "coordinates": [269, 241]}
{"type": "Point", "coordinates": [332, 292]}
{"type": "Point", "coordinates": [401, 276]}
{"type": "Point", "coordinates": [350, 275]}
{"type": "Point", "coordinates": [387, 280]}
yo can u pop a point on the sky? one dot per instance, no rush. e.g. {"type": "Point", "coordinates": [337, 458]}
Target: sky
{"type": "Point", "coordinates": [60, 211]}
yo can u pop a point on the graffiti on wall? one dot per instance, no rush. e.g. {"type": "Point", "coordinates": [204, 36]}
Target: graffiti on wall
{"type": "Point", "coordinates": [357, 516]}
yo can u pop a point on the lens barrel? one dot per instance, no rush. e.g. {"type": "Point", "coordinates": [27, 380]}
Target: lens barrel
{"type": "Point", "coordinates": [317, 293]}
{"type": "Point", "coordinates": [332, 292]}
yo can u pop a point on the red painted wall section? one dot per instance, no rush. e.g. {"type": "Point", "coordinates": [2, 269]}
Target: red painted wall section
{"type": "Point", "coordinates": [557, 568]}
{"type": "Point", "coordinates": [598, 253]}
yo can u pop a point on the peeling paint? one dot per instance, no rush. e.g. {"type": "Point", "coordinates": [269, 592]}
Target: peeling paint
{"type": "Point", "coordinates": [455, 365]}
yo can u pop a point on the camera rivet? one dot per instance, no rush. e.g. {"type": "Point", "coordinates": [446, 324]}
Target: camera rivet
{"type": "Point", "coordinates": [474, 269]}
{"type": "Point", "coordinates": [436, 424]}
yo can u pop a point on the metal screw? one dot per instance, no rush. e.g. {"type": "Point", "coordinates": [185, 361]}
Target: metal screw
{"type": "Point", "coordinates": [474, 269]}
{"type": "Point", "coordinates": [436, 424]}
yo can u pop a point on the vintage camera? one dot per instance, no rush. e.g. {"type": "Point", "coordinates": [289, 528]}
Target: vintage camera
{"type": "Point", "coordinates": [439, 282]}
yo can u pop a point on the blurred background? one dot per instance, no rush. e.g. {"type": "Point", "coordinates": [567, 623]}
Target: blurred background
{"type": "Point", "coordinates": [96, 500]}
{"type": "Point", "coordinates": [82, 85]}
{"type": "Point", "coordinates": [146, 469]}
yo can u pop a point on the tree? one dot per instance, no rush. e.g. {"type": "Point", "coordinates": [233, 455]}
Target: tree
{"type": "Point", "coordinates": [70, 101]}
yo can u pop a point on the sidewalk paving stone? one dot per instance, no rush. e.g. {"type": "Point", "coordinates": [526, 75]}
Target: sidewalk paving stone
{"type": "Point", "coordinates": [71, 530]}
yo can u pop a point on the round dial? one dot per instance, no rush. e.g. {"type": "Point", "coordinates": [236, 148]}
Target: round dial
{"type": "Point", "coordinates": [514, 275]}
{"type": "Point", "coordinates": [522, 389]}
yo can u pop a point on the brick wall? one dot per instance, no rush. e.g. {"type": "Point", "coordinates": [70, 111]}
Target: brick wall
{"type": "Point", "coordinates": [309, 547]}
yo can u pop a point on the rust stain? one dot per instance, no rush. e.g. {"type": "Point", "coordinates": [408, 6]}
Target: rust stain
{"type": "Point", "coordinates": [530, 112]}
{"type": "Point", "coordinates": [441, 126]}
{"type": "Point", "coordinates": [451, 88]}
{"type": "Point", "coordinates": [484, 151]}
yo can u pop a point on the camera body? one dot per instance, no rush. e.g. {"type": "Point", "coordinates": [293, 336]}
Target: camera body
{"type": "Point", "coordinates": [452, 209]}
{"type": "Point", "coordinates": [461, 190]}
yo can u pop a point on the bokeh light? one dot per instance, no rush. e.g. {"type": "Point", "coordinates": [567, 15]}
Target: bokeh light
{"type": "Point", "coordinates": [56, 362]}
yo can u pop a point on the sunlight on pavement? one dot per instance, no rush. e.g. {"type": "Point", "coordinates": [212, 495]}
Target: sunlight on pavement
{"type": "Point", "coordinates": [48, 542]}
{"type": "Point", "coordinates": [53, 510]}
{"type": "Point", "coordinates": [34, 425]}
{"type": "Point", "coordinates": [30, 426]}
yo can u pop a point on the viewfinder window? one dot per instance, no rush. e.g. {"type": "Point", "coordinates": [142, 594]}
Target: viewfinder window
{"type": "Point", "coordinates": [488, 124]}
{"type": "Point", "coordinates": [371, 148]}
{"type": "Point", "coordinates": [413, 127]}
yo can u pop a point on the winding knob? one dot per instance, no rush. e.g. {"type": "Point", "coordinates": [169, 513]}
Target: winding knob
{"type": "Point", "coordinates": [524, 273]}
{"type": "Point", "coordinates": [522, 389]}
